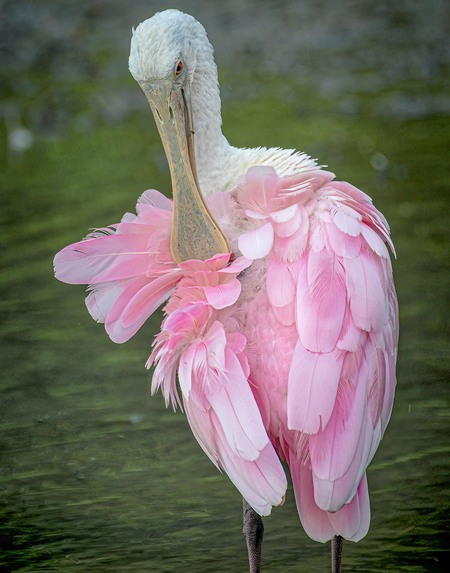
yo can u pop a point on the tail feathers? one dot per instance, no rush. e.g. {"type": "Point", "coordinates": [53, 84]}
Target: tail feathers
{"type": "Point", "coordinates": [350, 522]}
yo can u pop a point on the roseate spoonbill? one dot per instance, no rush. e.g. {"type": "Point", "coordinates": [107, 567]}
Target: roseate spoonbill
{"type": "Point", "coordinates": [281, 322]}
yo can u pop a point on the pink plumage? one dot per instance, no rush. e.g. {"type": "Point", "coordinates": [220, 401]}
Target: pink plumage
{"type": "Point", "coordinates": [286, 349]}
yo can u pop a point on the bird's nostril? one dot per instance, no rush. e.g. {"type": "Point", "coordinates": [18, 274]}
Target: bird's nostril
{"type": "Point", "coordinates": [171, 114]}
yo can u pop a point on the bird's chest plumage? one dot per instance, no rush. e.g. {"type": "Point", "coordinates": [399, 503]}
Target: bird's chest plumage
{"type": "Point", "coordinates": [269, 350]}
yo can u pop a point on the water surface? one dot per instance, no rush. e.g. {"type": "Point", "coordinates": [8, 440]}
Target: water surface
{"type": "Point", "coordinates": [96, 475]}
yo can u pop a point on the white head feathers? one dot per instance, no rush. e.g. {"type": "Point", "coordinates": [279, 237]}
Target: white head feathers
{"type": "Point", "coordinates": [160, 42]}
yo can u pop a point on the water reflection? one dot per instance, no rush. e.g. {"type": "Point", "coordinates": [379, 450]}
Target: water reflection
{"type": "Point", "coordinates": [97, 475]}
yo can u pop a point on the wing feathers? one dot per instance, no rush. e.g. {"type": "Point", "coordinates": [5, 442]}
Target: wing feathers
{"type": "Point", "coordinates": [351, 521]}
{"type": "Point", "coordinates": [136, 304]}
{"type": "Point", "coordinates": [321, 300]}
{"type": "Point", "coordinates": [225, 418]}
{"type": "Point", "coordinates": [312, 387]}
{"type": "Point", "coordinates": [102, 259]}
{"type": "Point", "coordinates": [330, 261]}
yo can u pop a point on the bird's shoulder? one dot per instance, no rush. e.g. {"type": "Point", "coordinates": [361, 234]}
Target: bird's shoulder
{"type": "Point", "coordinates": [236, 162]}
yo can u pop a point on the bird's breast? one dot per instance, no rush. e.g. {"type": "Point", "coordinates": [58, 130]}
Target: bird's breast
{"type": "Point", "coordinates": [269, 349]}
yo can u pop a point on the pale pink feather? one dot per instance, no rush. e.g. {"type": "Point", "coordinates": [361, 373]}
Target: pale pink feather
{"type": "Point", "coordinates": [321, 300]}
{"type": "Point", "coordinates": [137, 304]}
{"type": "Point", "coordinates": [258, 243]}
{"type": "Point", "coordinates": [225, 419]}
{"type": "Point", "coordinates": [351, 521]}
{"type": "Point", "coordinates": [102, 259]}
{"type": "Point", "coordinates": [312, 387]}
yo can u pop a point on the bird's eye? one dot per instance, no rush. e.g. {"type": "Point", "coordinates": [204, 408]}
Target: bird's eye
{"type": "Point", "coordinates": [179, 68]}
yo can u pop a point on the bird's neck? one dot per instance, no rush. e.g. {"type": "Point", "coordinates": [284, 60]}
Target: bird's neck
{"type": "Point", "coordinates": [210, 144]}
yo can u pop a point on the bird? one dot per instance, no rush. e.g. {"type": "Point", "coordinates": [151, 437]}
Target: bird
{"type": "Point", "coordinates": [280, 330]}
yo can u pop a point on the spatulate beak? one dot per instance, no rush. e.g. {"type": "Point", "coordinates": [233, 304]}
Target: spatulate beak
{"type": "Point", "coordinates": [195, 233]}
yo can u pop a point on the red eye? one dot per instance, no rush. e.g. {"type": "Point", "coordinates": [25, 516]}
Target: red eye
{"type": "Point", "coordinates": [179, 68]}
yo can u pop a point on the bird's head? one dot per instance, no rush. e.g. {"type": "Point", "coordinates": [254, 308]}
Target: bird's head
{"type": "Point", "coordinates": [161, 42]}
{"type": "Point", "coordinates": [166, 54]}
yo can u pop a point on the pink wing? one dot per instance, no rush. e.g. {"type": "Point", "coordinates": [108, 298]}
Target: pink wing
{"type": "Point", "coordinates": [213, 371]}
{"type": "Point", "coordinates": [225, 419]}
{"type": "Point", "coordinates": [329, 275]}
{"type": "Point", "coordinates": [128, 267]}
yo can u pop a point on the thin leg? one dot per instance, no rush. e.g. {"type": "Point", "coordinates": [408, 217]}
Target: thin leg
{"type": "Point", "coordinates": [336, 554]}
{"type": "Point", "coordinates": [253, 530]}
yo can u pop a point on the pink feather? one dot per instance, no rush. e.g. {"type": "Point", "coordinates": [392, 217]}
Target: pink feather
{"type": "Point", "coordinates": [368, 299]}
{"type": "Point", "coordinates": [312, 387]}
{"type": "Point", "coordinates": [258, 243]}
{"type": "Point", "coordinates": [107, 258]}
{"type": "Point", "coordinates": [321, 301]}
{"type": "Point", "coordinates": [136, 305]}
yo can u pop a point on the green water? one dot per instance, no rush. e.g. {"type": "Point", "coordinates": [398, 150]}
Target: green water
{"type": "Point", "coordinates": [96, 475]}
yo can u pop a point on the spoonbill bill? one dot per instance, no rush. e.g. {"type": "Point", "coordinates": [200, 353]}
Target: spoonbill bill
{"type": "Point", "coordinates": [280, 328]}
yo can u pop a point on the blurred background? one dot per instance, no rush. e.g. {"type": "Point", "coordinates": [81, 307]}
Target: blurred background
{"type": "Point", "coordinates": [95, 474]}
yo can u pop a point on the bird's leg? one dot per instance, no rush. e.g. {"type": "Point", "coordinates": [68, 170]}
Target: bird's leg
{"type": "Point", "coordinates": [336, 554]}
{"type": "Point", "coordinates": [253, 530]}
